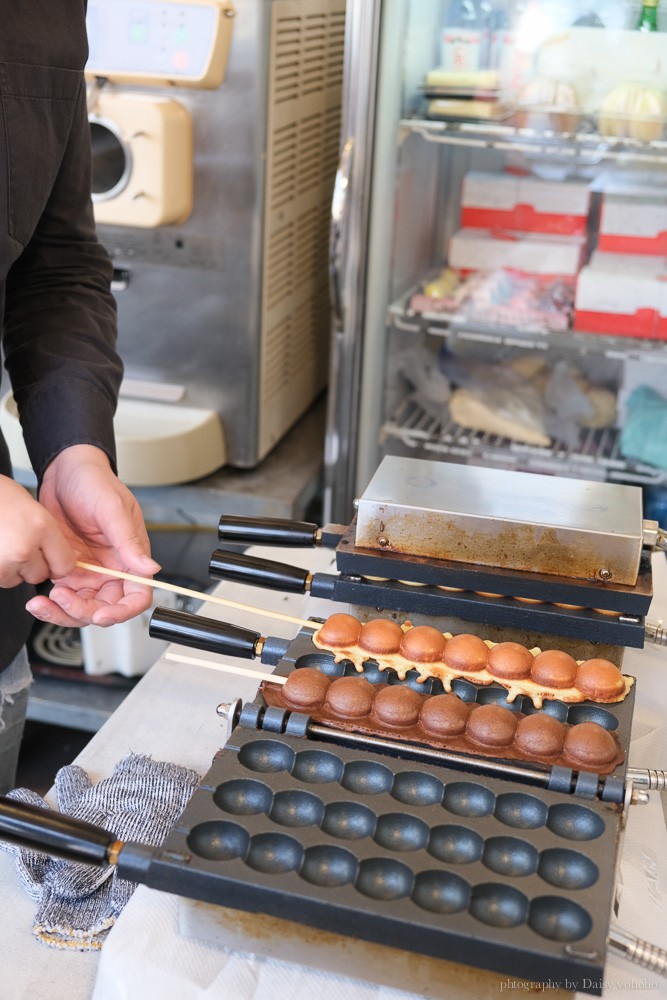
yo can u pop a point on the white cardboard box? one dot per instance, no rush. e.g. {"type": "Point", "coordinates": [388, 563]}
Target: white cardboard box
{"type": "Point", "coordinates": [623, 295]}
{"type": "Point", "coordinates": [634, 223]}
{"type": "Point", "coordinates": [524, 204]}
{"type": "Point", "coordinates": [484, 250]}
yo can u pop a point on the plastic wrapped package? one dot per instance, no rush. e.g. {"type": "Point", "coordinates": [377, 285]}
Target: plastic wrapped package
{"type": "Point", "coordinates": [495, 399]}
{"type": "Point", "coordinates": [527, 400]}
{"type": "Point", "coordinates": [417, 367]}
{"type": "Point", "coordinates": [572, 403]}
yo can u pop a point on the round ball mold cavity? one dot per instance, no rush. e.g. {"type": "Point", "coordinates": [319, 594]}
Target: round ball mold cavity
{"type": "Point", "coordinates": [367, 777]}
{"type": "Point", "coordinates": [384, 878]}
{"type": "Point", "coordinates": [441, 892]}
{"type": "Point", "coordinates": [498, 905]}
{"type": "Point", "coordinates": [295, 807]}
{"type": "Point", "coordinates": [559, 919]}
{"type": "Point", "coordinates": [456, 845]}
{"type": "Point", "coordinates": [328, 866]}
{"type": "Point", "coordinates": [414, 788]}
{"type": "Point", "coordinates": [510, 856]}
{"type": "Point", "coordinates": [401, 832]}
{"type": "Point", "coordinates": [348, 820]}
{"type": "Point", "coordinates": [243, 797]}
{"type": "Point", "coordinates": [267, 756]}
{"type": "Point", "coordinates": [466, 798]}
{"type": "Point", "coordinates": [574, 822]}
{"type": "Point", "coordinates": [567, 869]}
{"type": "Point", "coordinates": [315, 766]}
{"type": "Point", "coordinates": [218, 840]}
{"type": "Point", "coordinates": [274, 853]}
{"type": "Point", "coordinates": [521, 811]}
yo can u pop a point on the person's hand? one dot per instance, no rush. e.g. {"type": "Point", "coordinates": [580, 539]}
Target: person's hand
{"type": "Point", "coordinates": [32, 546]}
{"type": "Point", "coordinates": [99, 521]}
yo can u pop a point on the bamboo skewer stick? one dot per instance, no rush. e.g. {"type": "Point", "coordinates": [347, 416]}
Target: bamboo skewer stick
{"type": "Point", "coordinates": [186, 592]}
{"type": "Point", "coordinates": [227, 668]}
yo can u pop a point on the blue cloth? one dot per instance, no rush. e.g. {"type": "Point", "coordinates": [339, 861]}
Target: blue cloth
{"type": "Point", "coordinates": [644, 434]}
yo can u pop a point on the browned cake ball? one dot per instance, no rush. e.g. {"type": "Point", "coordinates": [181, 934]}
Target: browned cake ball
{"type": "Point", "coordinates": [492, 725]}
{"type": "Point", "coordinates": [600, 680]}
{"type": "Point", "coordinates": [422, 644]}
{"type": "Point", "coordinates": [306, 687]}
{"type": "Point", "coordinates": [541, 735]}
{"type": "Point", "coordinates": [510, 660]}
{"type": "Point", "coordinates": [444, 715]}
{"type": "Point", "coordinates": [589, 745]}
{"type": "Point", "coordinates": [350, 697]}
{"type": "Point", "coordinates": [381, 635]}
{"type": "Point", "coordinates": [397, 706]}
{"type": "Point", "coordinates": [339, 631]}
{"type": "Point", "coordinates": [466, 652]}
{"type": "Point", "coordinates": [554, 669]}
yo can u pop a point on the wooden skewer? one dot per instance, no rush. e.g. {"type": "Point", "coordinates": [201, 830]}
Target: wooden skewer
{"type": "Point", "coordinates": [227, 668]}
{"type": "Point", "coordinates": [186, 592]}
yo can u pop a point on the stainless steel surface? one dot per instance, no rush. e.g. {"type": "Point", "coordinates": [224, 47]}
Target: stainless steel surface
{"type": "Point", "coordinates": [233, 302]}
{"type": "Point", "coordinates": [648, 778]}
{"type": "Point", "coordinates": [349, 240]}
{"type": "Point", "coordinates": [429, 754]}
{"type": "Point", "coordinates": [228, 711]}
{"type": "Point", "coordinates": [635, 950]}
{"type": "Point", "coordinates": [656, 633]}
{"type": "Point", "coordinates": [513, 520]}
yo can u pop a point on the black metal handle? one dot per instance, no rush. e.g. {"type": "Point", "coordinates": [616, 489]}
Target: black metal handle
{"type": "Point", "coordinates": [267, 531]}
{"type": "Point", "coordinates": [203, 633]}
{"type": "Point", "coordinates": [52, 833]}
{"type": "Point", "coordinates": [258, 572]}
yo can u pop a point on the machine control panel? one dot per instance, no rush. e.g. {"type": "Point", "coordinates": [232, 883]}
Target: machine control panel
{"type": "Point", "coordinates": [165, 42]}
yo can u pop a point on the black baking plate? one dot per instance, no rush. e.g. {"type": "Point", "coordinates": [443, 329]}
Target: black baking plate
{"type": "Point", "coordinates": [416, 856]}
{"type": "Point", "coordinates": [617, 718]}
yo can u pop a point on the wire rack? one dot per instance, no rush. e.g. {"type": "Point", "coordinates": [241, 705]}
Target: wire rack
{"type": "Point", "coordinates": [595, 456]}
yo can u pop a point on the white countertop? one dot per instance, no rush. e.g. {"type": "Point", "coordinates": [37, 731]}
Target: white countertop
{"type": "Point", "coordinates": [171, 715]}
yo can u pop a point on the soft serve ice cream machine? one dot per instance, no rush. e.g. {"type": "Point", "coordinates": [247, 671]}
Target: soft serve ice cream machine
{"type": "Point", "coordinates": [215, 143]}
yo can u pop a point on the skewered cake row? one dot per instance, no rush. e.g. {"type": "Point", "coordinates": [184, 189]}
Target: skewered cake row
{"type": "Point", "coordinates": [445, 721]}
{"type": "Point", "coordinates": [539, 674]}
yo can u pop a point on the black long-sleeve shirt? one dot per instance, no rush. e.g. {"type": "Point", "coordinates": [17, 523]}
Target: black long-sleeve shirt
{"type": "Point", "coordinates": [58, 313]}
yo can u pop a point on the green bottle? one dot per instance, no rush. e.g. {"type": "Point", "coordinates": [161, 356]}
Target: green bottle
{"type": "Point", "coordinates": [648, 19]}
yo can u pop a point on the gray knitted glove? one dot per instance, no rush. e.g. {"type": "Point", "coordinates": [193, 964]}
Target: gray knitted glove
{"type": "Point", "coordinates": [141, 801]}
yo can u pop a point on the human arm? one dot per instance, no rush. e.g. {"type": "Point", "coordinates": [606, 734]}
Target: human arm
{"type": "Point", "coordinates": [60, 316]}
{"type": "Point", "coordinates": [99, 521]}
{"type": "Point", "coordinates": [59, 344]}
